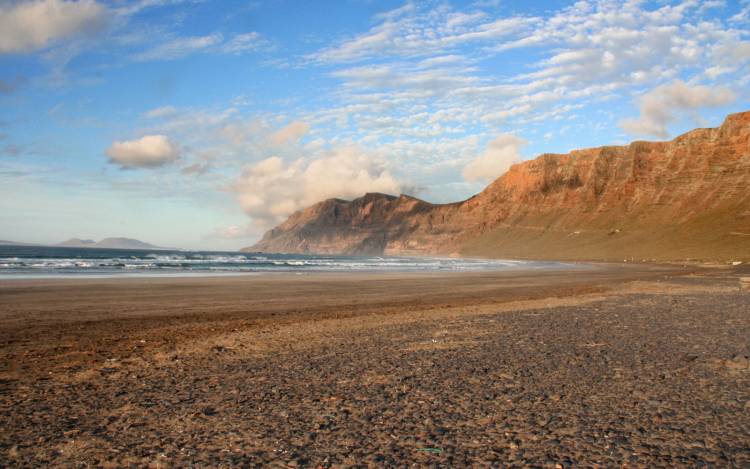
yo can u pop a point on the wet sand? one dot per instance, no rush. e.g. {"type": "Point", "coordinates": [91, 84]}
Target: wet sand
{"type": "Point", "coordinates": [614, 365]}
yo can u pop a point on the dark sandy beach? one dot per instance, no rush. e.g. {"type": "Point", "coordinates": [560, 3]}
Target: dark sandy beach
{"type": "Point", "coordinates": [619, 365]}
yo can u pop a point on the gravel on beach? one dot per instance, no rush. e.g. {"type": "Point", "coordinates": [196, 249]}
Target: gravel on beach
{"type": "Point", "coordinates": [643, 374]}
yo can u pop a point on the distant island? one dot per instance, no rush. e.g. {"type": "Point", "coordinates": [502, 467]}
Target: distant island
{"type": "Point", "coordinates": [5, 242]}
{"type": "Point", "coordinates": [109, 243]}
{"type": "Point", "coordinates": [106, 243]}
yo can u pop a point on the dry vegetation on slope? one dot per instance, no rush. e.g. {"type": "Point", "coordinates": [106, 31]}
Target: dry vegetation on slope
{"type": "Point", "coordinates": [687, 198]}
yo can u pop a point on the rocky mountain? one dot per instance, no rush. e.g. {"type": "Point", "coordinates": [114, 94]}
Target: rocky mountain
{"type": "Point", "coordinates": [686, 198]}
{"type": "Point", "coordinates": [108, 243]}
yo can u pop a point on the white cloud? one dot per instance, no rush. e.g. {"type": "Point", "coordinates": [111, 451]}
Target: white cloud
{"type": "Point", "coordinates": [243, 42]}
{"type": "Point", "coordinates": [196, 169]}
{"type": "Point", "coordinates": [499, 155]}
{"type": "Point", "coordinates": [271, 190]}
{"type": "Point", "coordinates": [441, 60]}
{"type": "Point", "coordinates": [233, 232]}
{"type": "Point", "coordinates": [160, 112]}
{"type": "Point", "coordinates": [743, 16]}
{"type": "Point", "coordinates": [427, 59]}
{"type": "Point", "coordinates": [292, 132]}
{"type": "Point", "coordinates": [137, 6]}
{"type": "Point", "coordinates": [430, 81]}
{"type": "Point", "coordinates": [147, 152]}
{"type": "Point", "coordinates": [180, 47]}
{"type": "Point", "coordinates": [413, 31]}
{"type": "Point", "coordinates": [30, 25]}
{"type": "Point", "coordinates": [662, 105]}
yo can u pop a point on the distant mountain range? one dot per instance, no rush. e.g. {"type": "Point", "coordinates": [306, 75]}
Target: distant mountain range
{"type": "Point", "coordinates": [109, 243]}
{"type": "Point", "coordinates": [4, 242]}
{"type": "Point", "coordinates": [106, 243]}
{"type": "Point", "coordinates": [687, 198]}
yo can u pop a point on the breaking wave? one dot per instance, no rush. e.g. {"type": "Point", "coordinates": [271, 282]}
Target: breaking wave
{"type": "Point", "coordinates": [51, 261]}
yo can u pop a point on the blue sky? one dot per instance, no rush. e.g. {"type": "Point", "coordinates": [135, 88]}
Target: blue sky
{"type": "Point", "coordinates": [202, 124]}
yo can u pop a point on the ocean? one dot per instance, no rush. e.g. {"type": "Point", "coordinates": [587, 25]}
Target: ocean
{"type": "Point", "coordinates": [46, 262]}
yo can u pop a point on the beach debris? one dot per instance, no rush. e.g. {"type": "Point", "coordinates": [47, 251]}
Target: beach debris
{"type": "Point", "coordinates": [736, 262]}
{"type": "Point", "coordinates": [220, 349]}
{"type": "Point", "coordinates": [431, 450]}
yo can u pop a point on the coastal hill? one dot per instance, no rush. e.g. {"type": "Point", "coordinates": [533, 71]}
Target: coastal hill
{"type": "Point", "coordinates": [688, 198]}
{"type": "Point", "coordinates": [108, 243]}
{"type": "Point", "coordinates": [5, 242]}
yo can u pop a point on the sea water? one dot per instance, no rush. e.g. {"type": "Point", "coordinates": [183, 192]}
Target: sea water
{"type": "Point", "coordinates": [39, 261]}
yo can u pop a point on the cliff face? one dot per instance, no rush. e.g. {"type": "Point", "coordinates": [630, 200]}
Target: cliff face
{"type": "Point", "coordinates": [687, 198]}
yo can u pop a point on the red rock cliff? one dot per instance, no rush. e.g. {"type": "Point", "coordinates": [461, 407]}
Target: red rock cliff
{"type": "Point", "coordinates": [687, 198]}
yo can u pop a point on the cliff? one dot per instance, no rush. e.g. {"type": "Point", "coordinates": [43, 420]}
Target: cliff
{"type": "Point", "coordinates": [686, 198]}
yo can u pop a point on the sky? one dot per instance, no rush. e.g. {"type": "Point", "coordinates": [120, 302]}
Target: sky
{"type": "Point", "coordinates": [201, 124]}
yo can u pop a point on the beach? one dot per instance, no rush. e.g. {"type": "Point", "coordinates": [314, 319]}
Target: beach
{"type": "Point", "coordinates": [607, 364]}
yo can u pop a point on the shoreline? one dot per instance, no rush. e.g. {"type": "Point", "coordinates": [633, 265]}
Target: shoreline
{"type": "Point", "coordinates": [608, 269]}
{"type": "Point", "coordinates": [552, 266]}
{"type": "Point", "coordinates": [85, 264]}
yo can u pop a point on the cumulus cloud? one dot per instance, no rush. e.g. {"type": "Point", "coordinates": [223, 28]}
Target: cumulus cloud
{"type": "Point", "coordinates": [292, 132]}
{"type": "Point", "coordinates": [150, 151]}
{"type": "Point", "coordinates": [500, 153]}
{"type": "Point", "coordinates": [663, 105]}
{"type": "Point", "coordinates": [271, 190]}
{"type": "Point", "coordinates": [30, 25]}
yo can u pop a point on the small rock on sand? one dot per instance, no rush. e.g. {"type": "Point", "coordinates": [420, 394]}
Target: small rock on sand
{"type": "Point", "coordinates": [739, 362]}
